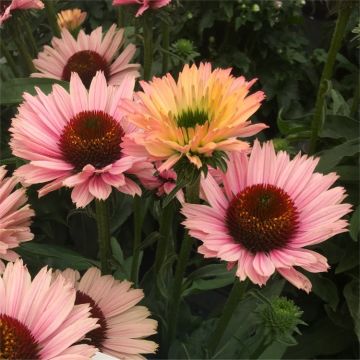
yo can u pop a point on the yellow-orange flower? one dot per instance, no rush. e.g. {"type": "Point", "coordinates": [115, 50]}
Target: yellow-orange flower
{"type": "Point", "coordinates": [71, 19]}
{"type": "Point", "coordinates": [203, 112]}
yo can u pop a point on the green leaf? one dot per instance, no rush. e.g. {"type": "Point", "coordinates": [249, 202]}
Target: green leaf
{"type": "Point", "coordinates": [122, 209]}
{"type": "Point", "coordinates": [209, 277]}
{"type": "Point", "coordinates": [57, 256]}
{"type": "Point", "coordinates": [16, 87]}
{"type": "Point", "coordinates": [321, 338]}
{"type": "Point", "coordinates": [348, 173]}
{"type": "Point", "coordinates": [116, 250]}
{"type": "Point", "coordinates": [340, 127]}
{"type": "Point", "coordinates": [350, 259]}
{"type": "Point", "coordinates": [292, 126]}
{"type": "Point", "coordinates": [150, 239]}
{"type": "Point", "coordinates": [331, 157]}
{"type": "Point", "coordinates": [275, 351]}
{"type": "Point", "coordinates": [325, 289]}
{"type": "Point", "coordinates": [355, 224]}
{"type": "Point", "coordinates": [351, 293]}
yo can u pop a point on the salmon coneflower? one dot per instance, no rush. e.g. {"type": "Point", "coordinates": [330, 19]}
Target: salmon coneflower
{"type": "Point", "coordinates": [75, 140]}
{"type": "Point", "coordinates": [269, 209]}
{"type": "Point", "coordinates": [39, 318]}
{"type": "Point", "coordinates": [71, 19]}
{"type": "Point", "coordinates": [7, 6]}
{"type": "Point", "coordinates": [15, 215]}
{"type": "Point", "coordinates": [124, 325]}
{"type": "Point", "coordinates": [196, 118]}
{"type": "Point", "coordinates": [86, 55]}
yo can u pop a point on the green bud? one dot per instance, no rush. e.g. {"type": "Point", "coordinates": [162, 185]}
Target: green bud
{"type": "Point", "coordinates": [255, 8]}
{"type": "Point", "coordinates": [280, 317]}
{"type": "Point", "coordinates": [281, 144]}
{"type": "Point", "coordinates": [183, 47]}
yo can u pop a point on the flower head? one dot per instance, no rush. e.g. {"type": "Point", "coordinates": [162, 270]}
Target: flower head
{"type": "Point", "coordinates": [279, 318]}
{"type": "Point", "coordinates": [75, 139]}
{"type": "Point", "coordinates": [123, 324]}
{"type": "Point", "coordinates": [15, 217]}
{"type": "Point", "coordinates": [71, 19]}
{"type": "Point", "coordinates": [39, 319]}
{"type": "Point", "coordinates": [144, 4]}
{"type": "Point", "coordinates": [7, 6]}
{"type": "Point", "coordinates": [198, 117]}
{"type": "Point", "coordinates": [269, 209]}
{"type": "Point", "coordinates": [87, 55]}
{"type": "Point", "coordinates": [164, 182]}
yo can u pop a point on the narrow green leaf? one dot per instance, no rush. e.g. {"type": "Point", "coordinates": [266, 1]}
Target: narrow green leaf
{"type": "Point", "coordinates": [58, 256]}
{"type": "Point", "coordinates": [293, 126]}
{"type": "Point", "coordinates": [330, 158]}
{"type": "Point", "coordinates": [355, 224]}
{"type": "Point", "coordinates": [340, 127]}
{"type": "Point", "coordinates": [16, 87]}
{"type": "Point", "coordinates": [351, 293]}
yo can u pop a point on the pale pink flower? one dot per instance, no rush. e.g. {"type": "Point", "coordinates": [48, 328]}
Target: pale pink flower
{"type": "Point", "coordinates": [39, 318]}
{"type": "Point", "coordinates": [203, 112]}
{"type": "Point", "coordinates": [87, 55]}
{"type": "Point", "coordinates": [269, 209]}
{"type": "Point", "coordinates": [75, 139]}
{"type": "Point", "coordinates": [15, 216]}
{"type": "Point", "coordinates": [123, 324]}
{"type": "Point", "coordinates": [7, 6]}
{"type": "Point", "coordinates": [144, 4]}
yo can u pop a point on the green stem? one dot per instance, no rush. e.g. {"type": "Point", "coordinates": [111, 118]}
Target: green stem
{"type": "Point", "coordinates": [337, 37]}
{"type": "Point", "coordinates": [165, 45]}
{"type": "Point", "coordinates": [236, 294]}
{"type": "Point", "coordinates": [9, 59]}
{"type": "Point", "coordinates": [51, 15]}
{"type": "Point", "coordinates": [121, 17]}
{"type": "Point", "coordinates": [138, 221]}
{"type": "Point", "coordinates": [102, 219]}
{"type": "Point", "coordinates": [165, 231]}
{"type": "Point", "coordinates": [24, 52]}
{"type": "Point", "coordinates": [356, 99]}
{"type": "Point", "coordinates": [263, 345]}
{"type": "Point", "coordinates": [192, 196]}
{"type": "Point", "coordinates": [148, 45]}
{"type": "Point", "coordinates": [29, 33]}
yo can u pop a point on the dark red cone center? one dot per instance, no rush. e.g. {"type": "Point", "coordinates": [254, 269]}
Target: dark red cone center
{"type": "Point", "coordinates": [262, 218]}
{"type": "Point", "coordinates": [16, 340]}
{"type": "Point", "coordinates": [86, 63]}
{"type": "Point", "coordinates": [97, 336]}
{"type": "Point", "coordinates": [91, 137]}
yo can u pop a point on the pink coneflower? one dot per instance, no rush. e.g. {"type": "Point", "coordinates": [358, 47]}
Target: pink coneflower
{"type": "Point", "coordinates": [7, 6]}
{"type": "Point", "coordinates": [123, 324]}
{"type": "Point", "coordinates": [39, 318]}
{"type": "Point", "coordinates": [74, 139]}
{"type": "Point", "coordinates": [15, 217]}
{"type": "Point", "coordinates": [195, 118]}
{"type": "Point", "coordinates": [269, 209]}
{"type": "Point", "coordinates": [164, 182]}
{"type": "Point", "coordinates": [144, 4]}
{"type": "Point", "coordinates": [87, 55]}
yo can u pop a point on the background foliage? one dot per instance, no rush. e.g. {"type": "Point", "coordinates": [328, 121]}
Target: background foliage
{"type": "Point", "coordinates": [284, 44]}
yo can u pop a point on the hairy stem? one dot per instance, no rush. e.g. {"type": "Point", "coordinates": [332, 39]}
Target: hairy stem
{"type": "Point", "coordinates": [337, 37]}
{"type": "Point", "coordinates": [192, 196]}
{"type": "Point", "coordinates": [236, 294]}
{"type": "Point", "coordinates": [103, 225]}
